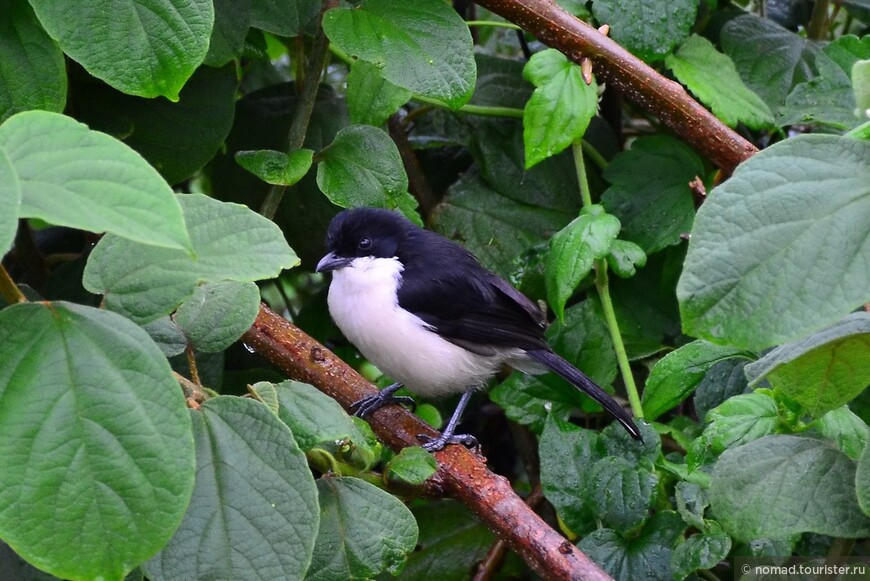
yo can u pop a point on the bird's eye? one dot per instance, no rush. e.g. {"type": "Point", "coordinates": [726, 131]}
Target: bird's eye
{"type": "Point", "coordinates": [364, 243]}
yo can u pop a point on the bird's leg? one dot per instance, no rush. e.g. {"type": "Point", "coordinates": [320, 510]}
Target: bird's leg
{"type": "Point", "coordinates": [368, 405]}
{"type": "Point", "coordinates": [447, 436]}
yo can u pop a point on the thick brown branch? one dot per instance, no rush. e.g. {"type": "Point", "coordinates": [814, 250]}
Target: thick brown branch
{"type": "Point", "coordinates": [638, 82]}
{"type": "Point", "coordinates": [464, 475]}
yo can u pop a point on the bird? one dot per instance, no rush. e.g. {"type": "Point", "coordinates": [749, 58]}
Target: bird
{"type": "Point", "coordinates": [426, 313]}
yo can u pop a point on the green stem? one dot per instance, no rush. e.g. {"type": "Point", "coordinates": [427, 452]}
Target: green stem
{"type": "Point", "coordinates": [9, 290]}
{"type": "Point", "coordinates": [621, 356]}
{"type": "Point", "coordinates": [603, 288]}
{"type": "Point", "coordinates": [480, 110]}
{"type": "Point", "coordinates": [594, 155]}
{"type": "Point", "coordinates": [304, 107]}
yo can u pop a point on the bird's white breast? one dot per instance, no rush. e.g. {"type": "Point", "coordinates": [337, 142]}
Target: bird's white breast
{"type": "Point", "coordinates": [363, 301]}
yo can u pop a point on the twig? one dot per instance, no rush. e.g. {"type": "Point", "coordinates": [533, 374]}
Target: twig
{"type": "Point", "coordinates": [465, 476]}
{"type": "Point", "coordinates": [304, 107]}
{"type": "Point", "coordinates": [8, 289]}
{"type": "Point", "coordinates": [661, 97]}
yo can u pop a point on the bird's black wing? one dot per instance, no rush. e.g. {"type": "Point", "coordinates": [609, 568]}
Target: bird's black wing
{"type": "Point", "coordinates": [465, 303]}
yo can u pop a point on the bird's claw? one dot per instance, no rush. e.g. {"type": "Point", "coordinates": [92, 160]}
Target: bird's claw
{"type": "Point", "coordinates": [370, 404]}
{"type": "Point", "coordinates": [434, 444]}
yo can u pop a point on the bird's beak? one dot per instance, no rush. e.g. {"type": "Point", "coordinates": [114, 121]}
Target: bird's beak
{"type": "Point", "coordinates": [332, 262]}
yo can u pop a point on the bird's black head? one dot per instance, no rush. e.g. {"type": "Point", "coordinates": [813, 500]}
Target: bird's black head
{"type": "Point", "coordinates": [363, 232]}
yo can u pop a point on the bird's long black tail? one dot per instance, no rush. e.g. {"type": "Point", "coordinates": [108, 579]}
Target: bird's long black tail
{"type": "Point", "coordinates": [576, 377]}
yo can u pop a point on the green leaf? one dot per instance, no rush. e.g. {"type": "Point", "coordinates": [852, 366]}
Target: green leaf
{"type": "Point", "coordinates": [313, 416]}
{"type": "Point", "coordinates": [218, 314]}
{"type": "Point", "coordinates": [492, 226]}
{"type": "Point", "coordinates": [93, 431]}
{"type": "Point", "coordinates": [561, 107]}
{"type": "Point", "coordinates": [500, 82]}
{"type": "Point", "coordinates": [675, 376]}
{"type": "Point", "coordinates": [566, 451]}
{"type": "Point", "coordinates": [167, 335]}
{"type": "Point", "coordinates": [650, 193]}
{"type": "Point", "coordinates": [701, 551]}
{"type": "Point", "coordinates": [232, 19]}
{"type": "Point", "coordinates": [862, 481]}
{"type": "Point", "coordinates": [276, 167]}
{"type": "Point", "coordinates": [722, 381]}
{"type": "Point", "coordinates": [646, 556]}
{"type": "Point", "coordinates": [847, 50]}
{"type": "Point", "coordinates": [141, 47]}
{"type": "Point", "coordinates": [451, 542]}
{"type": "Point", "coordinates": [422, 46]}
{"type": "Point", "coordinates": [362, 167]}
{"type": "Point", "coordinates": [71, 176]}
{"type": "Point", "coordinates": [825, 370]}
{"type": "Point", "coordinates": [740, 420]}
{"type": "Point", "coordinates": [770, 243]}
{"type": "Point", "coordinates": [573, 251]}
{"type": "Point", "coordinates": [176, 138]}
{"type": "Point", "coordinates": [412, 465]}
{"type": "Point", "coordinates": [10, 201]}
{"type": "Point", "coordinates": [371, 99]}
{"type": "Point", "coordinates": [648, 28]}
{"type": "Point", "coordinates": [616, 441]}
{"type": "Point", "coordinates": [620, 493]}
{"type": "Point", "coordinates": [825, 99]}
{"type": "Point", "coordinates": [254, 508]}
{"type": "Point", "coordinates": [285, 17]}
{"type": "Point", "coordinates": [711, 76]}
{"type": "Point", "coordinates": [517, 396]}
{"type": "Point", "coordinates": [861, 87]}
{"type": "Point", "coordinates": [844, 428]}
{"type": "Point", "coordinates": [779, 485]}
{"type": "Point", "coordinates": [770, 59]}
{"type": "Point", "coordinates": [625, 258]}
{"type": "Point", "coordinates": [230, 242]}
{"type": "Point", "coordinates": [33, 74]}
{"type": "Point", "coordinates": [363, 531]}
{"type": "Point", "coordinates": [692, 501]}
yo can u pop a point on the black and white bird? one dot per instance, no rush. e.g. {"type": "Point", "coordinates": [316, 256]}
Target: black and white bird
{"type": "Point", "coordinates": [427, 314]}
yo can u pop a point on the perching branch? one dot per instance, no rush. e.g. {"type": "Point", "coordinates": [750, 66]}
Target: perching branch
{"type": "Point", "coordinates": [464, 475]}
{"type": "Point", "coordinates": [642, 85]}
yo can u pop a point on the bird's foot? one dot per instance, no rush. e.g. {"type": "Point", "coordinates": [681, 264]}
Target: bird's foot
{"type": "Point", "coordinates": [368, 405]}
{"type": "Point", "coordinates": [434, 444]}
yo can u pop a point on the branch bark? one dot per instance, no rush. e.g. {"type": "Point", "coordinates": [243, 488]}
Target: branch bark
{"type": "Point", "coordinates": [639, 83]}
{"type": "Point", "coordinates": [464, 475]}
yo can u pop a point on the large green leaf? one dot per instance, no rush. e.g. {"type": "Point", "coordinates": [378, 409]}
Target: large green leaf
{"type": "Point", "coordinates": [253, 514]}
{"type": "Point", "coordinates": [363, 531]}
{"type": "Point", "coordinates": [846, 429]}
{"type": "Point", "coordinates": [10, 200]}
{"type": "Point", "coordinates": [648, 28]}
{"type": "Point", "coordinates": [650, 191]}
{"type": "Point", "coordinates": [371, 99]}
{"type": "Point", "coordinates": [675, 376]}
{"type": "Point", "coordinates": [230, 242]}
{"type": "Point", "coordinates": [32, 70]}
{"type": "Point", "coordinates": [96, 450]}
{"type": "Point", "coordinates": [645, 556]}
{"type": "Point", "coordinates": [558, 112]}
{"type": "Point", "coordinates": [71, 176]}
{"type": "Point", "coordinates": [141, 47]}
{"type": "Point", "coordinates": [701, 551]}
{"type": "Point", "coordinates": [232, 18]}
{"type": "Point", "coordinates": [712, 77]}
{"type": "Point", "coordinates": [362, 167]}
{"type": "Point", "coordinates": [284, 17]}
{"type": "Point", "coordinates": [769, 58]}
{"type": "Point", "coordinates": [494, 227]}
{"type": "Point", "coordinates": [620, 493]}
{"type": "Point", "coordinates": [176, 138]}
{"type": "Point", "coordinates": [218, 314]}
{"type": "Point", "coordinates": [423, 46]}
{"type": "Point", "coordinates": [778, 486]}
{"type": "Point", "coordinates": [823, 371]}
{"type": "Point", "coordinates": [780, 249]}
{"type": "Point", "coordinates": [740, 420]}
{"type": "Point", "coordinates": [566, 452]}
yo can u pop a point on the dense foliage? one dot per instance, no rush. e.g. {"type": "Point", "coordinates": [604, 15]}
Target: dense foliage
{"type": "Point", "coordinates": [209, 142]}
